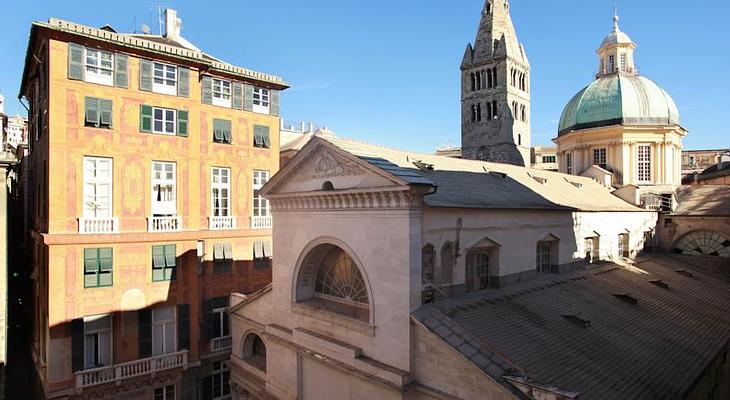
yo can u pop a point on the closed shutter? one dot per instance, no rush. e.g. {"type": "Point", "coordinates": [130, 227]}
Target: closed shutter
{"type": "Point", "coordinates": [92, 111]}
{"type": "Point", "coordinates": [121, 74]}
{"type": "Point", "coordinates": [248, 97]}
{"type": "Point", "coordinates": [274, 106]}
{"type": "Point", "coordinates": [206, 90]}
{"type": "Point", "coordinates": [144, 332]}
{"type": "Point", "coordinates": [268, 252]}
{"type": "Point", "coordinates": [145, 118]}
{"type": "Point", "coordinates": [182, 123]}
{"type": "Point", "coordinates": [183, 82]}
{"type": "Point", "coordinates": [237, 102]}
{"type": "Point", "coordinates": [75, 61]}
{"type": "Point", "coordinates": [105, 112]}
{"type": "Point", "coordinates": [265, 136]}
{"type": "Point", "coordinates": [183, 327]}
{"type": "Point", "coordinates": [145, 75]}
{"type": "Point", "coordinates": [77, 344]}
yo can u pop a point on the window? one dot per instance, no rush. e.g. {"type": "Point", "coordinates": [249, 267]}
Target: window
{"type": "Point", "coordinates": [97, 113]}
{"type": "Point", "coordinates": [592, 251]}
{"type": "Point", "coordinates": [220, 192]}
{"type": "Point", "coordinates": [222, 131]}
{"type": "Point", "coordinates": [473, 82]}
{"type": "Point", "coordinates": [261, 136]}
{"type": "Point", "coordinates": [165, 79]}
{"type": "Point", "coordinates": [164, 262]}
{"type": "Point", "coordinates": [569, 163]}
{"type": "Point", "coordinates": [543, 258]}
{"type": "Point", "coordinates": [165, 393]}
{"type": "Point", "coordinates": [523, 113]}
{"type": "Point", "coordinates": [261, 100]}
{"type": "Point", "coordinates": [222, 257]}
{"type": "Point", "coordinates": [519, 139]}
{"type": "Point", "coordinates": [222, 93]}
{"type": "Point", "coordinates": [163, 121]}
{"type": "Point", "coordinates": [551, 159]}
{"type": "Point", "coordinates": [599, 158]}
{"type": "Point", "coordinates": [644, 163]}
{"type": "Point", "coordinates": [623, 245]}
{"type": "Point", "coordinates": [164, 333]}
{"type": "Point", "coordinates": [611, 64]}
{"type": "Point", "coordinates": [97, 341]}
{"type": "Point", "coordinates": [262, 254]}
{"type": "Point", "coordinates": [97, 187]}
{"type": "Point", "coordinates": [338, 278]}
{"type": "Point", "coordinates": [220, 378]}
{"type": "Point", "coordinates": [219, 322]}
{"type": "Point", "coordinates": [623, 62]}
{"type": "Point", "coordinates": [260, 204]}
{"type": "Point", "coordinates": [98, 267]}
{"type": "Point", "coordinates": [163, 189]}
{"type": "Point", "coordinates": [99, 67]}
{"type": "Point", "coordinates": [477, 271]}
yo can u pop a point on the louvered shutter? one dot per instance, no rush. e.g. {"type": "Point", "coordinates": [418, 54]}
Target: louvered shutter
{"type": "Point", "coordinates": [183, 327]}
{"type": "Point", "coordinates": [248, 97]}
{"type": "Point", "coordinates": [226, 127]}
{"type": "Point", "coordinates": [144, 332]}
{"type": "Point", "coordinates": [258, 139]}
{"type": "Point", "coordinates": [206, 90]}
{"type": "Point", "coordinates": [121, 68]}
{"type": "Point", "coordinates": [91, 112]}
{"type": "Point", "coordinates": [265, 136]}
{"type": "Point", "coordinates": [182, 123]}
{"type": "Point", "coordinates": [217, 130]}
{"type": "Point", "coordinates": [274, 106]}
{"type": "Point", "coordinates": [145, 75]}
{"type": "Point", "coordinates": [183, 82]}
{"type": "Point", "coordinates": [105, 112]}
{"type": "Point", "coordinates": [75, 61]}
{"type": "Point", "coordinates": [77, 345]}
{"type": "Point", "coordinates": [237, 102]}
{"type": "Point", "coordinates": [145, 118]}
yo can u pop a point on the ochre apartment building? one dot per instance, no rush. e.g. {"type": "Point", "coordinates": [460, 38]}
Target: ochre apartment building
{"type": "Point", "coordinates": [146, 156]}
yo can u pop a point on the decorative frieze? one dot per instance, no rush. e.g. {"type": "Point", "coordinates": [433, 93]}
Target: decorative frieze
{"type": "Point", "coordinates": [352, 201]}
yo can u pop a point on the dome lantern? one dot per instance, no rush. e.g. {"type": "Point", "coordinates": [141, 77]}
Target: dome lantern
{"type": "Point", "coordinates": [616, 54]}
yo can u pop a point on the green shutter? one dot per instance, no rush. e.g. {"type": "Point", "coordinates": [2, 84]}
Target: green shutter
{"type": "Point", "coordinates": [206, 89]}
{"type": "Point", "coordinates": [274, 106]}
{"type": "Point", "coordinates": [145, 118]}
{"type": "Point", "coordinates": [258, 139]}
{"type": "Point", "coordinates": [183, 82]}
{"type": "Point", "coordinates": [265, 136]}
{"type": "Point", "coordinates": [158, 257]}
{"type": "Point", "coordinates": [105, 112]}
{"type": "Point", "coordinates": [91, 112]}
{"type": "Point", "coordinates": [182, 123]}
{"type": "Point", "coordinates": [121, 74]}
{"type": "Point", "coordinates": [75, 61]}
{"type": "Point", "coordinates": [218, 130]}
{"type": "Point", "coordinates": [105, 259]}
{"type": "Point", "coordinates": [248, 97]}
{"type": "Point", "coordinates": [170, 255]}
{"type": "Point", "coordinates": [90, 261]}
{"type": "Point", "coordinates": [237, 102]}
{"type": "Point", "coordinates": [145, 75]}
{"type": "Point", "coordinates": [226, 127]}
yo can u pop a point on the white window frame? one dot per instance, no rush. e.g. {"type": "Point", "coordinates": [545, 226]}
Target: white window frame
{"type": "Point", "coordinates": [166, 206]}
{"type": "Point", "coordinates": [97, 72]}
{"type": "Point", "coordinates": [643, 163]}
{"type": "Point", "coordinates": [165, 84]}
{"type": "Point", "coordinates": [218, 375]}
{"type": "Point", "coordinates": [164, 120]}
{"type": "Point", "coordinates": [261, 100]}
{"type": "Point", "coordinates": [94, 199]}
{"type": "Point", "coordinates": [600, 157]}
{"type": "Point", "coordinates": [569, 163]}
{"type": "Point", "coordinates": [222, 92]}
{"type": "Point", "coordinates": [165, 395]}
{"type": "Point", "coordinates": [221, 320]}
{"type": "Point", "coordinates": [165, 325]}
{"type": "Point", "coordinates": [611, 64]}
{"type": "Point", "coordinates": [96, 334]}
{"type": "Point", "coordinates": [217, 183]}
{"type": "Point", "coordinates": [261, 206]}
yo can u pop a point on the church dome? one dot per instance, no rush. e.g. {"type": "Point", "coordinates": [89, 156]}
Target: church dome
{"type": "Point", "coordinates": [619, 99]}
{"type": "Point", "coordinates": [615, 38]}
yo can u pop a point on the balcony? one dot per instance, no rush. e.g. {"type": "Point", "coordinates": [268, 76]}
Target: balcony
{"type": "Point", "coordinates": [164, 224]}
{"type": "Point", "coordinates": [98, 225]}
{"type": "Point", "coordinates": [260, 222]}
{"type": "Point", "coordinates": [222, 343]}
{"type": "Point", "coordinates": [221, 223]}
{"type": "Point", "coordinates": [118, 373]}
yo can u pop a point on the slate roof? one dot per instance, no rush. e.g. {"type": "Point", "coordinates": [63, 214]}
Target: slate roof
{"type": "Point", "coordinates": [654, 349]}
{"type": "Point", "coordinates": [478, 184]}
{"type": "Point", "coordinates": [704, 200]}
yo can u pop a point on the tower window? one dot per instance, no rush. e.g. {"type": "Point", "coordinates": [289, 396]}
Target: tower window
{"type": "Point", "coordinates": [489, 9]}
{"type": "Point", "coordinates": [623, 62]}
{"type": "Point", "coordinates": [523, 113]}
{"type": "Point", "coordinates": [490, 82]}
{"type": "Point", "coordinates": [519, 139]}
{"type": "Point", "coordinates": [496, 44]}
{"type": "Point", "coordinates": [494, 76]}
{"type": "Point", "coordinates": [473, 82]}
{"type": "Point", "coordinates": [569, 163]}
{"type": "Point", "coordinates": [611, 64]}
{"type": "Point", "coordinates": [484, 79]}
{"type": "Point", "coordinates": [479, 80]}
{"type": "Point", "coordinates": [599, 158]}
{"type": "Point", "coordinates": [494, 110]}
{"type": "Point", "coordinates": [479, 113]}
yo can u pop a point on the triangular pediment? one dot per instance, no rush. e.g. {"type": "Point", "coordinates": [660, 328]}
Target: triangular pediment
{"type": "Point", "coordinates": [321, 166]}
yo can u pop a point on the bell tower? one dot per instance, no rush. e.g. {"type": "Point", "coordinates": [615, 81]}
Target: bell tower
{"type": "Point", "coordinates": [495, 91]}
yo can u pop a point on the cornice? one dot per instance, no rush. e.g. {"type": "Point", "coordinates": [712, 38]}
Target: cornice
{"type": "Point", "coordinates": [357, 200]}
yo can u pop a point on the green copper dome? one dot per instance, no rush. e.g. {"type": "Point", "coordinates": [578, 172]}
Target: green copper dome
{"type": "Point", "coordinates": [619, 99]}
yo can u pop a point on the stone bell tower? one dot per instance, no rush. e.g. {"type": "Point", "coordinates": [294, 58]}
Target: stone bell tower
{"type": "Point", "coordinates": [495, 91]}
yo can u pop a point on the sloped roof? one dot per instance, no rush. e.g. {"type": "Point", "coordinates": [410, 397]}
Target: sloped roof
{"type": "Point", "coordinates": [654, 349]}
{"type": "Point", "coordinates": [703, 200]}
{"type": "Point", "coordinates": [478, 184]}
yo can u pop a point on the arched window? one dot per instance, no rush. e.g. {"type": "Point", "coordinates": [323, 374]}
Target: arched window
{"type": "Point", "coordinates": [473, 82]}
{"type": "Point", "coordinates": [477, 271]}
{"type": "Point", "coordinates": [428, 255]}
{"type": "Point", "coordinates": [490, 82]}
{"type": "Point", "coordinates": [489, 9]}
{"type": "Point", "coordinates": [479, 80]}
{"type": "Point", "coordinates": [254, 351]}
{"type": "Point", "coordinates": [447, 263]}
{"type": "Point", "coordinates": [523, 113]}
{"type": "Point", "coordinates": [703, 243]}
{"type": "Point", "coordinates": [329, 279]}
{"type": "Point", "coordinates": [479, 112]}
{"type": "Point", "coordinates": [494, 76]}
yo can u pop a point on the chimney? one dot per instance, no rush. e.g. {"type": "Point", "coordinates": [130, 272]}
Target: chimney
{"type": "Point", "coordinates": [172, 24]}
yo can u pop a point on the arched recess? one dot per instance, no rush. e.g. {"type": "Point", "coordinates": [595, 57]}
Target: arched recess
{"type": "Point", "coordinates": [482, 263]}
{"type": "Point", "coordinates": [330, 277]}
{"type": "Point", "coordinates": [703, 243]}
{"type": "Point", "coordinates": [253, 350]}
{"type": "Point", "coordinates": [428, 258]}
{"type": "Point", "coordinates": [448, 260]}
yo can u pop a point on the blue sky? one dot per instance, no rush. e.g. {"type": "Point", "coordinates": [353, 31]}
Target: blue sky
{"type": "Point", "coordinates": [387, 71]}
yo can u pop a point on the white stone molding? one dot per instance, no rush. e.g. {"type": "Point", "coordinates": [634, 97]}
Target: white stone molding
{"type": "Point", "coordinates": [401, 199]}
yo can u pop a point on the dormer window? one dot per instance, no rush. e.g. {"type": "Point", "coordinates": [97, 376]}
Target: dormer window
{"type": "Point", "coordinates": [165, 79]}
{"type": "Point", "coordinates": [99, 67]}
{"type": "Point", "coordinates": [261, 100]}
